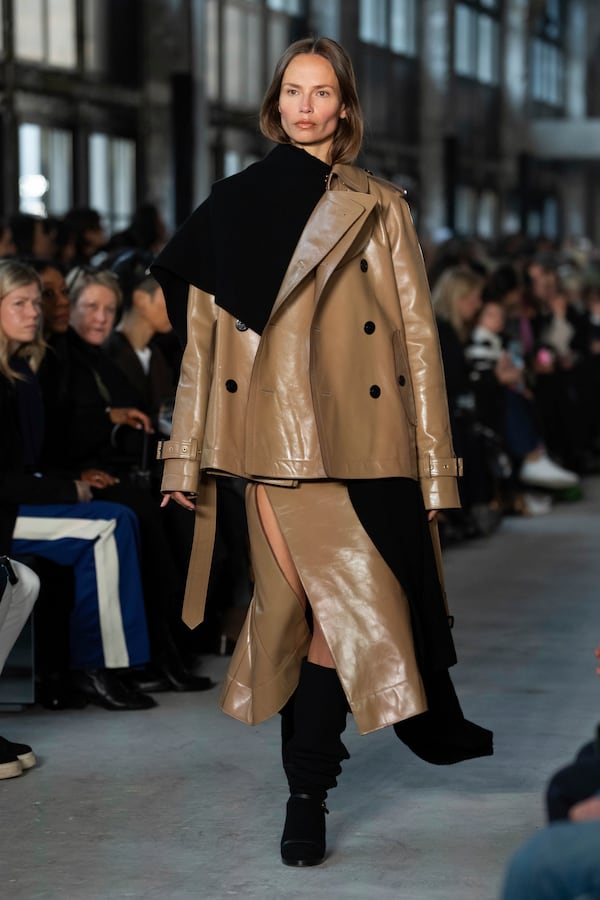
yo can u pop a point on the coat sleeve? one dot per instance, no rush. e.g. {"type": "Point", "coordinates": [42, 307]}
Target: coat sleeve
{"type": "Point", "coordinates": [182, 452]}
{"type": "Point", "coordinates": [438, 466]}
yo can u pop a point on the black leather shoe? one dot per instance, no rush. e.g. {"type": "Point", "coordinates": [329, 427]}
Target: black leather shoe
{"type": "Point", "coordinates": [105, 688]}
{"type": "Point", "coordinates": [180, 680]}
{"type": "Point", "coordinates": [148, 680]}
{"type": "Point", "coordinates": [57, 691]}
{"type": "Point", "coordinates": [303, 839]}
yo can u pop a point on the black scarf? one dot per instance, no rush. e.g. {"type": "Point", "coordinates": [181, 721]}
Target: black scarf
{"type": "Point", "coordinates": [238, 244]}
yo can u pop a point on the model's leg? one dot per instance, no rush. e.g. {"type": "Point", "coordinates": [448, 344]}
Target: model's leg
{"type": "Point", "coordinates": [312, 723]}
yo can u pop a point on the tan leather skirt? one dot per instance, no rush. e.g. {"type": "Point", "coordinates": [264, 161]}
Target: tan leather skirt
{"type": "Point", "coordinates": [361, 607]}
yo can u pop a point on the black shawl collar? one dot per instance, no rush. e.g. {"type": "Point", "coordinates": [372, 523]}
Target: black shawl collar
{"type": "Point", "coordinates": [237, 245]}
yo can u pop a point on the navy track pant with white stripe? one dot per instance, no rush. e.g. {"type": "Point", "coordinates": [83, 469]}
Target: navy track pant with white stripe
{"type": "Point", "coordinates": [100, 541]}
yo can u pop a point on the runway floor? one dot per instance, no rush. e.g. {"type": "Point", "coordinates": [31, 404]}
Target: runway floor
{"type": "Point", "coordinates": [182, 802]}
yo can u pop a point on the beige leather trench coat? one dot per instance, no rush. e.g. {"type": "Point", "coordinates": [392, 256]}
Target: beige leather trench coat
{"type": "Point", "coordinates": [376, 402]}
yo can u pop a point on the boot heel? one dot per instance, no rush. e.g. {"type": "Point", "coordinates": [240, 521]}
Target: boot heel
{"type": "Point", "coordinates": [303, 839]}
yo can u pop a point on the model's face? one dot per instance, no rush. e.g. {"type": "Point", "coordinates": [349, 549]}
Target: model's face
{"type": "Point", "coordinates": [55, 302]}
{"type": "Point", "coordinates": [20, 313]}
{"type": "Point", "coordinates": [310, 104]}
{"type": "Point", "coordinates": [93, 315]}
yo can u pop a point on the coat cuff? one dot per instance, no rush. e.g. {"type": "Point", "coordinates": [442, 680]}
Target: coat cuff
{"type": "Point", "coordinates": [181, 475]}
{"type": "Point", "coordinates": [440, 493]}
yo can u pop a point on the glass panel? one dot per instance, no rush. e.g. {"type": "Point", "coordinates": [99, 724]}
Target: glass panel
{"type": "Point", "coordinates": [403, 27]}
{"type": "Point", "coordinates": [99, 173]}
{"type": "Point", "coordinates": [326, 18]}
{"type": "Point", "coordinates": [292, 7]}
{"type": "Point", "coordinates": [94, 34]}
{"type": "Point", "coordinates": [487, 213]}
{"type": "Point", "coordinates": [59, 154]}
{"type": "Point", "coordinates": [234, 41]}
{"type": "Point", "coordinates": [550, 218]}
{"type": "Point", "coordinates": [32, 184]}
{"type": "Point", "coordinates": [487, 50]}
{"type": "Point", "coordinates": [464, 40]}
{"type": "Point", "coordinates": [45, 166]}
{"type": "Point", "coordinates": [211, 71]}
{"type": "Point", "coordinates": [232, 163]}
{"type": "Point", "coordinates": [62, 50]}
{"type": "Point", "coordinates": [123, 182]}
{"type": "Point", "coordinates": [372, 27]}
{"type": "Point", "coordinates": [466, 210]}
{"type": "Point", "coordinates": [29, 29]}
{"type": "Point", "coordinates": [278, 39]}
{"type": "Point", "coordinates": [254, 60]}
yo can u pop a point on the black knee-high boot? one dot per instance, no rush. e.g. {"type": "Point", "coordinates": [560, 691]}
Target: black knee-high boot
{"type": "Point", "coordinates": [312, 752]}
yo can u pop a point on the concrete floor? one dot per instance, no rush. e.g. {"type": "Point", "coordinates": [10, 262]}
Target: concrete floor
{"type": "Point", "coordinates": [182, 802]}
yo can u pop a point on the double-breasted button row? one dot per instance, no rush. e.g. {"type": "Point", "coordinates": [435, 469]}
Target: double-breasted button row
{"type": "Point", "coordinates": [364, 265]}
{"type": "Point", "coordinates": [369, 327]}
{"type": "Point", "coordinates": [231, 385]}
{"type": "Point", "coordinates": [241, 326]}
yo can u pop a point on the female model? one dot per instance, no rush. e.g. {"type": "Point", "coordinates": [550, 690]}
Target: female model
{"type": "Point", "coordinates": [312, 369]}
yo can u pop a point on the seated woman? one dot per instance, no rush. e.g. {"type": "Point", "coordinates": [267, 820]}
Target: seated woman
{"type": "Point", "coordinates": [53, 519]}
{"type": "Point", "coordinates": [131, 346]}
{"type": "Point", "coordinates": [96, 431]}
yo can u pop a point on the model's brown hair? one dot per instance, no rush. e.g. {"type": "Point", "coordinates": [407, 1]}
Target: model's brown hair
{"type": "Point", "coordinates": [15, 274]}
{"type": "Point", "coordinates": [348, 137]}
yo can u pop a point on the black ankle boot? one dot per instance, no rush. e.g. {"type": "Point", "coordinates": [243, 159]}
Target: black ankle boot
{"type": "Point", "coordinates": [303, 839]}
{"type": "Point", "coordinates": [312, 751]}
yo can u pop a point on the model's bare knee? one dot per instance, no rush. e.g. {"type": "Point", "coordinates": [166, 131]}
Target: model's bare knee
{"type": "Point", "coordinates": [318, 651]}
{"type": "Point", "coordinates": [277, 543]}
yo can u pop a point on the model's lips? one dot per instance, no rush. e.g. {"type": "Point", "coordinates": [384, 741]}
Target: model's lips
{"type": "Point", "coordinates": [305, 124]}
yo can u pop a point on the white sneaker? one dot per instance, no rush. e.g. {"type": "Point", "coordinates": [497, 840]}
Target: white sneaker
{"type": "Point", "coordinates": [543, 472]}
{"type": "Point", "coordinates": [536, 504]}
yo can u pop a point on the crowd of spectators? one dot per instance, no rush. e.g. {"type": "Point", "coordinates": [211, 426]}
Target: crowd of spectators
{"type": "Point", "coordinates": [520, 336]}
{"type": "Point", "coordinates": [90, 391]}
{"type": "Point", "coordinates": [88, 371]}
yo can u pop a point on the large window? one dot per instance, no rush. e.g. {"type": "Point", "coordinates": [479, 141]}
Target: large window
{"type": "Point", "coordinates": [389, 23]}
{"type": "Point", "coordinates": [112, 179]}
{"type": "Point", "coordinates": [45, 167]}
{"type": "Point", "coordinates": [244, 38]}
{"type": "Point", "coordinates": [476, 40]}
{"type": "Point", "coordinates": [547, 54]}
{"type": "Point", "coordinates": [45, 32]}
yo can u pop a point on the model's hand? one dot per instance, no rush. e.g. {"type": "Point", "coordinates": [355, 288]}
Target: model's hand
{"type": "Point", "coordinates": [431, 515]}
{"type": "Point", "coordinates": [98, 479]}
{"type": "Point", "coordinates": [179, 497]}
{"type": "Point", "coordinates": [127, 415]}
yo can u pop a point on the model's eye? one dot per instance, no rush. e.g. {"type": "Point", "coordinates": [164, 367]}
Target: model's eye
{"type": "Point", "coordinates": [323, 93]}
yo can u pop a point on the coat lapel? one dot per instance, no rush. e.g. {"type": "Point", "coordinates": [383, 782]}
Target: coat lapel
{"type": "Point", "coordinates": [329, 233]}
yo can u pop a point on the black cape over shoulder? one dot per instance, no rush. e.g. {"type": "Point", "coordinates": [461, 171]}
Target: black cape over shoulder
{"type": "Point", "coordinates": [237, 244]}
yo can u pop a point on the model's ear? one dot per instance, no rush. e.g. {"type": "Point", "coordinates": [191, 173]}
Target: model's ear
{"type": "Point", "coordinates": [343, 113]}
